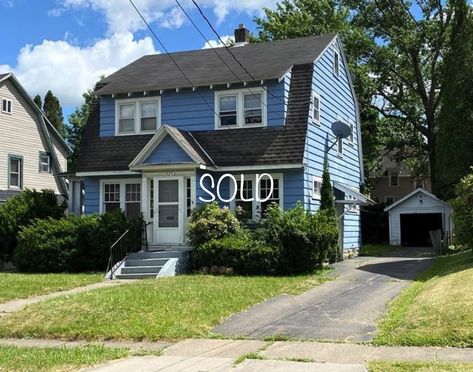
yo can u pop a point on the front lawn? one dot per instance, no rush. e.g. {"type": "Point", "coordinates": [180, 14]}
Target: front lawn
{"type": "Point", "coordinates": [15, 286]}
{"type": "Point", "coordinates": [436, 309]}
{"type": "Point", "coordinates": [56, 359]}
{"type": "Point", "coordinates": [419, 367]}
{"type": "Point", "coordinates": [167, 308]}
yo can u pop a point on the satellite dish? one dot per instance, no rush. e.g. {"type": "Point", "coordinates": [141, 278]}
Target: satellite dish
{"type": "Point", "coordinates": [341, 129]}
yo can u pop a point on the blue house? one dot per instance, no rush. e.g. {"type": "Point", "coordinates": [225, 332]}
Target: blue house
{"type": "Point", "coordinates": [160, 142]}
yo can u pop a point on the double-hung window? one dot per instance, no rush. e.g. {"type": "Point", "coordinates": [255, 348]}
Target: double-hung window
{"type": "Point", "coordinates": [6, 106]}
{"type": "Point", "coordinates": [135, 116]}
{"type": "Point", "coordinates": [316, 108]}
{"type": "Point", "coordinates": [240, 108]}
{"type": "Point", "coordinates": [316, 187]}
{"type": "Point", "coordinates": [15, 173]}
{"type": "Point", "coordinates": [124, 195]}
{"type": "Point", "coordinates": [44, 162]}
{"type": "Point", "coordinates": [242, 199]}
{"type": "Point", "coordinates": [394, 179]}
{"type": "Point", "coordinates": [336, 62]}
{"type": "Point", "coordinates": [265, 189]}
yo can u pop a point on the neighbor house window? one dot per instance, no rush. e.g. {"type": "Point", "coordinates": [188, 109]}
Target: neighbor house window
{"type": "Point", "coordinates": [336, 63]}
{"type": "Point", "coordinates": [15, 176]}
{"type": "Point", "coordinates": [388, 200]}
{"type": "Point", "coordinates": [316, 187]}
{"type": "Point", "coordinates": [6, 106]}
{"type": "Point", "coordinates": [111, 197]}
{"type": "Point", "coordinates": [124, 195]}
{"type": "Point", "coordinates": [351, 138]}
{"type": "Point", "coordinates": [393, 179]}
{"type": "Point", "coordinates": [316, 108]}
{"type": "Point", "coordinates": [238, 109]}
{"type": "Point", "coordinates": [418, 184]}
{"type": "Point", "coordinates": [132, 200]}
{"type": "Point", "coordinates": [134, 116]}
{"type": "Point", "coordinates": [44, 163]}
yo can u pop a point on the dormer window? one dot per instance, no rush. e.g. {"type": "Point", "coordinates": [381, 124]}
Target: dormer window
{"type": "Point", "coordinates": [135, 116]}
{"type": "Point", "coordinates": [240, 108]}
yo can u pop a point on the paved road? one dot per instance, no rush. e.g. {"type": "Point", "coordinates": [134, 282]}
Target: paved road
{"type": "Point", "coordinates": [345, 309]}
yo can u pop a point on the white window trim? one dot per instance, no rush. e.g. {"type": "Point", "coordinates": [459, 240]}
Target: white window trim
{"type": "Point", "coordinates": [314, 195]}
{"type": "Point", "coordinates": [122, 182]}
{"type": "Point", "coordinates": [240, 107]}
{"type": "Point", "coordinates": [314, 120]}
{"type": "Point", "coordinates": [351, 138]}
{"type": "Point", "coordinates": [11, 106]}
{"type": "Point", "coordinates": [398, 179]}
{"type": "Point", "coordinates": [256, 206]}
{"type": "Point", "coordinates": [48, 156]}
{"type": "Point", "coordinates": [336, 71]}
{"type": "Point", "coordinates": [137, 102]}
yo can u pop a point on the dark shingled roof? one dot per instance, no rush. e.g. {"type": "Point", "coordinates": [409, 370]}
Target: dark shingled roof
{"type": "Point", "coordinates": [264, 61]}
{"type": "Point", "coordinates": [233, 147]}
{"type": "Point", "coordinates": [2, 76]}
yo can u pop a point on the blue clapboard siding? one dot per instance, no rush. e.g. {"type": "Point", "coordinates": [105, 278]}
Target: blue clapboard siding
{"type": "Point", "coordinates": [168, 152]}
{"type": "Point", "coordinates": [224, 187]}
{"type": "Point", "coordinates": [195, 110]}
{"type": "Point", "coordinates": [91, 195]}
{"type": "Point", "coordinates": [336, 102]}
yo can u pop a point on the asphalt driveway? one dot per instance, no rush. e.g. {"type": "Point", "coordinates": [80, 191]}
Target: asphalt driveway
{"type": "Point", "coordinates": [346, 309]}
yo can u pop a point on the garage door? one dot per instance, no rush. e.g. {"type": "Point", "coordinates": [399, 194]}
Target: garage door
{"type": "Point", "coordinates": [415, 228]}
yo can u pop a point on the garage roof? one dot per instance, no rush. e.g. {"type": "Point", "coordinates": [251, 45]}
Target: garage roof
{"type": "Point", "coordinates": [413, 193]}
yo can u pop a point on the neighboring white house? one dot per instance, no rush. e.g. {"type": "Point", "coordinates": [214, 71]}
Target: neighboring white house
{"type": "Point", "coordinates": [32, 153]}
{"type": "Point", "coordinates": [412, 217]}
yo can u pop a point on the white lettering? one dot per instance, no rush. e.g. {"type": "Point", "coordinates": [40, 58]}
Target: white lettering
{"type": "Point", "coordinates": [234, 187]}
{"type": "Point", "coordinates": [258, 180]}
{"type": "Point", "coordinates": [212, 185]}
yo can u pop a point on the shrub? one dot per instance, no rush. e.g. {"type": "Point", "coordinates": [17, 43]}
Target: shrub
{"type": "Point", "coordinates": [72, 244]}
{"type": "Point", "coordinates": [463, 211]}
{"type": "Point", "coordinates": [21, 211]}
{"type": "Point", "coordinates": [240, 252]}
{"type": "Point", "coordinates": [208, 222]}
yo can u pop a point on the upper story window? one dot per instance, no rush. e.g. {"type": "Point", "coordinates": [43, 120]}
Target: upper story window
{"type": "Point", "coordinates": [394, 179]}
{"type": "Point", "coordinates": [336, 62]}
{"type": "Point", "coordinates": [135, 116]}
{"type": "Point", "coordinates": [44, 162]}
{"type": "Point", "coordinates": [240, 108]}
{"type": "Point", "coordinates": [6, 106]}
{"type": "Point", "coordinates": [15, 172]}
{"type": "Point", "coordinates": [351, 138]}
{"type": "Point", "coordinates": [316, 108]}
{"type": "Point", "coordinates": [316, 187]}
{"type": "Point", "coordinates": [340, 147]}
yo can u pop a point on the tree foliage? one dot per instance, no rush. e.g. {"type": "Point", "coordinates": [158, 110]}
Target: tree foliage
{"type": "Point", "coordinates": [75, 129]}
{"type": "Point", "coordinates": [37, 100]}
{"type": "Point", "coordinates": [455, 135]}
{"type": "Point", "coordinates": [53, 111]}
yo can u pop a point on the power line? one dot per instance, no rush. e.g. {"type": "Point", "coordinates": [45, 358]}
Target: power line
{"type": "Point", "coordinates": [229, 50]}
{"type": "Point", "coordinates": [170, 56]}
{"type": "Point", "coordinates": [225, 63]}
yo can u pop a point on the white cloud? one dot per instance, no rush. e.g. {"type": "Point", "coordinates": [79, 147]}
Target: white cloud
{"type": "Point", "coordinates": [69, 70]}
{"type": "Point", "coordinates": [5, 68]}
{"type": "Point", "coordinates": [227, 39]}
{"type": "Point", "coordinates": [121, 17]}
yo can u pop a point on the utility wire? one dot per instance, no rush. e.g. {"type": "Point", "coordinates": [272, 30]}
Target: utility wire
{"type": "Point", "coordinates": [228, 49]}
{"type": "Point", "coordinates": [225, 63]}
{"type": "Point", "coordinates": [170, 56]}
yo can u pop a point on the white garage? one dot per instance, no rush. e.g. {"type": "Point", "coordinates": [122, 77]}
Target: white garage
{"type": "Point", "coordinates": [412, 217]}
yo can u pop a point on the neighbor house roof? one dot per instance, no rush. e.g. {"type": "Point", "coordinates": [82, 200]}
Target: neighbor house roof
{"type": "Point", "coordinates": [263, 61]}
{"type": "Point", "coordinates": [220, 148]}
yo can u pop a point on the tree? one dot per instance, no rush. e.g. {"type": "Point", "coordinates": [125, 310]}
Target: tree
{"type": "Point", "coordinates": [75, 129]}
{"type": "Point", "coordinates": [455, 135]}
{"type": "Point", "coordinates": [37, 100]}
{"type": "Point", "coordinates": [53, 111]}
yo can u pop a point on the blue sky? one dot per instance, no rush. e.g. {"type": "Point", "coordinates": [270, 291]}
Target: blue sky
{"type": "Point", "coordinates": [66, 45]}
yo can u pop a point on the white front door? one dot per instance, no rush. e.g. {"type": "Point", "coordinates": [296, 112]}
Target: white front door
{"type": "Point", "coordinates": [169, 204]}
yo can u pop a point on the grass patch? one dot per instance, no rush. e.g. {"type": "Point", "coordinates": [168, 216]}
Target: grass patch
{"type": "Point", "coordinates": [15, 286]}
{"type": "Point", "coordinates": [378, 249]}
{"type": "Point", "coordinates": [419, 367]}
{"type": "Point", "coordinates": [436, 309]}
{"type": "Point", "coordinates": [56, 359]}
{"type": "Point", "coordinates": [168, 308]}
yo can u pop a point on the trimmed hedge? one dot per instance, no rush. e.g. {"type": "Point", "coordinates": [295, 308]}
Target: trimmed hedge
{"type": "Point", "coordinates": [72, 244]}
{"type": "Point", "coordinates": [21, 210]}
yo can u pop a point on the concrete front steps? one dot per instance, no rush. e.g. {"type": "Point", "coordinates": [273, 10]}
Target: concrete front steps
{"type": "Point", "coordinates": [157, 261]}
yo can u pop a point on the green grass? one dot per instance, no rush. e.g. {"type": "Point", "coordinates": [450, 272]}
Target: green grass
{"type": "Point", "coordinates": [56, 359]}
{"type": "Point", "coordinates": [378, 249]}
{"type": "Point", "coordinates": [419, 367]}
{"type": "Point", "coordinates": [16, 286]}
{"type": "Point", "coordinates": [168, 308]}
{"type": "Point", "coordinates": [436, 309]}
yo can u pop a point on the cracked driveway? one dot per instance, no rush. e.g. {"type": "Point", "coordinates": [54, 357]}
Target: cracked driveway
{"type": "Point", "coordinates": [345, 309]}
